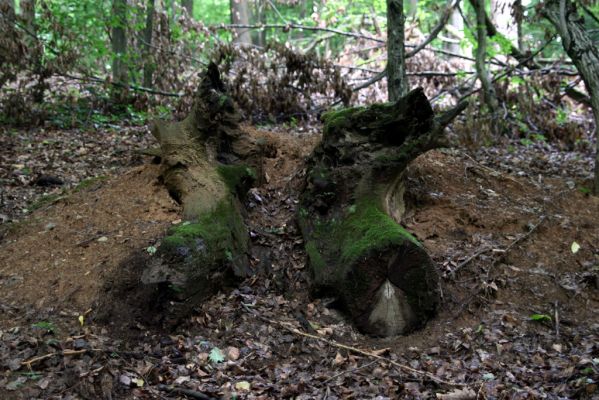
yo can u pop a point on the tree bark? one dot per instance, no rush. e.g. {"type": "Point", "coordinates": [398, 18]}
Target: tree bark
{"type": "Point", "coordinates": [207, 167]}
{"type": "Point", "coordinates": [397, 80]}
{"type": "Point", "coordinates": [119, 48]}
{"type": "Point", "coordinates": [147, 44]}
{"type": "Point", "coordinates": [489, 97]}
{"type": "Point", "coordinates": [188, 6]}
{"type": "Point", "coordinates": [240, 14]}
{"type": "Point", "coordinates": [584, 54]}
{"type": "Point", "coordinates": [351, 208]}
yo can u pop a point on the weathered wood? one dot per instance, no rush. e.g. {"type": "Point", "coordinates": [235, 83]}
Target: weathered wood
{"type": "Point", "coordinates": [351, 208]}
{"type": "Point", "coordinates": [206, 166]}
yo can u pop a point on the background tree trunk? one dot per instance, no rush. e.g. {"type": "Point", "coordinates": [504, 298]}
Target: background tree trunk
{"type": "Point", "coordinates": [240, 14]}
{"type": "Point", "coordinates": [584, 54]}
{"type": "Point", "coordinates": [397, 79]}
{"type": "Point", "coordinates": [146, 47]}
{"type": "Point", "coordinates": [455, 29]}
{"type": "Point", "coordinates": [351, 208]}
{"type": "Point", "coordinates": [489, 97]}
{"type": "Point", "coordinates": [259, 17]}
{"type": "Point", "coordinates": [119, 48]}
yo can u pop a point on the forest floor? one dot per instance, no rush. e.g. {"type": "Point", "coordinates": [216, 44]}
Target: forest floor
{"type": "Point", "coordinates": [512, 231]}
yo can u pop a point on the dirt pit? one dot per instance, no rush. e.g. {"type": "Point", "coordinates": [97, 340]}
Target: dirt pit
{"type": "Point", "coordinates": [518, 257]}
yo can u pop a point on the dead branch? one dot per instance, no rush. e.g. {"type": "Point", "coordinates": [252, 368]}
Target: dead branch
{"type": "Point", "coordinates": [289, 26]}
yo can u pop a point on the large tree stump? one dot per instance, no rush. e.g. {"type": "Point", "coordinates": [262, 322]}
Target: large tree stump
{"type": "Point", "coordinates": [207, 167]}
{"type": "Point", "coordinates": [351, 208]}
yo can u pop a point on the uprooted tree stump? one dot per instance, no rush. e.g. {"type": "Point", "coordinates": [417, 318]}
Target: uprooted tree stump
{"type": "Point", "coordinates": [351, 208]}
{"type": "Point", "coordinates": [206, 165]}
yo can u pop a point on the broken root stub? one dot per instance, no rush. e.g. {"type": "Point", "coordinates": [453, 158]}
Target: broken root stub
{"type": "Point", "coordinates": [351, 208]}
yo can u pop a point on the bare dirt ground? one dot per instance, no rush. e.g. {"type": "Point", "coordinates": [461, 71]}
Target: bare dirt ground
{"type": "Point", "coordinates": [516, 243]}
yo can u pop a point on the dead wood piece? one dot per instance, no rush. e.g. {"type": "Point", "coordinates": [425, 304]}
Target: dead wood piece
{"type": "Point", "coordinates": [351, 208]}
{"type": "Point", "coordinates": [207, 164]}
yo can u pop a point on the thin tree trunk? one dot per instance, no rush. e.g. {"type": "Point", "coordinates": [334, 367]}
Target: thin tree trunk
{"type": "Point", "coordinates": [584, 54]}
{"type": "Point", "coordinates": [259, 17]}
{"type": "Point", "coordinates": [481, 54]}
{"type": "Point", "coordinates": [119, 46]}
{"type": "Point", "coordinates": [518, 16]}
{"type": "Point", "coordinates": [397, 79]}
{"type": "Point", "coordinates": [240, 14]}
{"type": "Point", "coordinates": [147, 35]}
{"type": "Point", "coordinates": [188, 6]}
{"type": "Point", "coordinates": [455, 28]}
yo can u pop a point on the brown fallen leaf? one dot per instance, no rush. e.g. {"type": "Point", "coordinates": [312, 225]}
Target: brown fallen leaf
{"type": "Point", "coordinates": [458, 394]}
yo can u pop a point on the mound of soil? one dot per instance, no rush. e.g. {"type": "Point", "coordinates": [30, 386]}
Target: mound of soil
{"type": "Point", "coordinates": [519, 259]}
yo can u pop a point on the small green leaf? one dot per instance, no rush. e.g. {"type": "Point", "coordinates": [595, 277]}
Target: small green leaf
{"type": "Point", "coordinates": [575, 247]}
{"type": "Point", "coordinates": [540, 317]}
{"type": "Point", "coordinates": [488, 376]}
{"type": "Point", "coordinates": [44, 325]}
{"type": "Point", "coordinates": [216, 355]}
{"type": "Point", "coordinates": [152, 250]}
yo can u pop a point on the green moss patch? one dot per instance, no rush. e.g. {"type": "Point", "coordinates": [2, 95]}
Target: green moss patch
{"type": "Point", "coordinates": [238, 178]}
{"type": "Point", "coordinates": [362, 229]}
{"type": "Point", "coordinates": [212, 238]}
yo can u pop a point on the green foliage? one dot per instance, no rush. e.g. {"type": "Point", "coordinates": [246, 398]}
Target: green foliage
{"type": "Point", "coordinates": [46, 326]}
{"type": "Point", "coordinates": [540, 318]}
{"type": "Point", "coordinates": [216, 355]}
